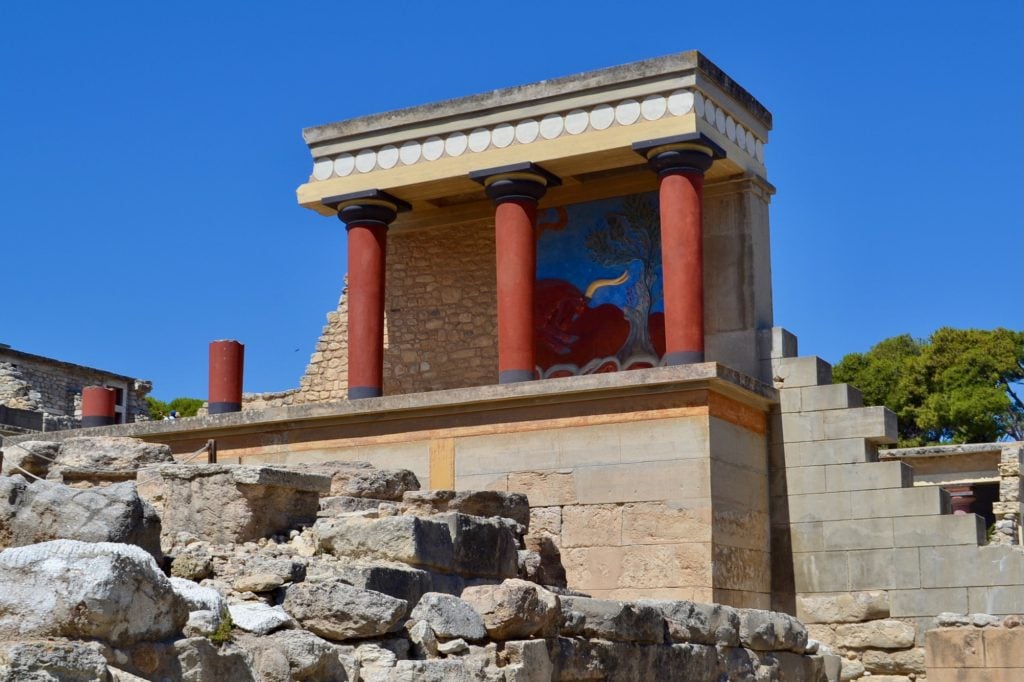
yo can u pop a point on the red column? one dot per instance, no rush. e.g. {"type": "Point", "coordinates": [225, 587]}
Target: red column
{"type": "Point", "coordinates": [515, 190]}
{"type": "Point", "coordinates": [98, 406]}
{"type": "Point", "coordinates": [367, 216]}
{"type": "Point", "coordinates": [226, 368]}
{"type": "Point", "coordinates": [680, 163]}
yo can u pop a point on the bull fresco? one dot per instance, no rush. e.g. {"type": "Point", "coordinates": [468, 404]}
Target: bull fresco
{"type": "Point", "coordinates": [598, 300]}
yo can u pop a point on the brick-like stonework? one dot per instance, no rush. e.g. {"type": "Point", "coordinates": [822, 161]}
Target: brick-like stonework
{"type": "Point", "coordinates": [39, 384]}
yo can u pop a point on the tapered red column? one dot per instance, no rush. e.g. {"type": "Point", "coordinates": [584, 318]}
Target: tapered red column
{"type": "Point", "coordinates": [515, 190]}
{"type": "Point", "coordinates": [680, 163]}
{"type": "Point", "coordinates": [367, 216]}
{"type": "Point", "coordinates": [98, 406]}
{"type": "Point", "coordinates": [227, 365]}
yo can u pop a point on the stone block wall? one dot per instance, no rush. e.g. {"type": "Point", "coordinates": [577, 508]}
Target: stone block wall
{"type": "Point", "coordinates": [1008, 509]}
{"type": "Point", "coordinates": [978, 649]}
{"type": "Point", "coordinates": [39, 384]}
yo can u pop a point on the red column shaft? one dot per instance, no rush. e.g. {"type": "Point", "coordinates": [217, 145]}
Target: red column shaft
{"type": "Point", "coordinates": [516, 269]}
{"type": "Point", "coordinates": [367, 249]}
{"type": "Point", "coordinates": [682, 254]}
{"type": "Point", "coordinates": [98, 406]}
{"type": "Point", "coordinates": [227, 364]}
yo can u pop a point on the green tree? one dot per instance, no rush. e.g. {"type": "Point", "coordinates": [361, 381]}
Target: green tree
{"type": "Point", "coordinates": [185, 407]}
{"type": "Point", "coordinates": [958, 386]}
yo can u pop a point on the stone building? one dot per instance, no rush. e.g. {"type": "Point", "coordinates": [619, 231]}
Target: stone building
{"type": "Point", "coordinates": [43, 394]}
{"type": "Point", "coordinates": [564, 289]}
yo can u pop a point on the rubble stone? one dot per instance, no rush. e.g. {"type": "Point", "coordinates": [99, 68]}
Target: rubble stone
{"type": "Point", "coordinates": [259, 618]}
{"type": "Point", "coordinates": [449, 617]}
{"type": "Point", "coordinates": [701, 623]}
{"type": "Point", "coordinates": [32, 456]}
{"type": "Point", "coordinates": [515, 609]}
{"type": "Point", "coordinates": [877, 634]}
{"type": "Point", "coordinates": [618, 621]}
{"type": "Point", "coordinates": [59, 661]}
{"type": "Point", "coordinates": [771, 631]}
{"type": "Point", "coordinates": [337, 611]}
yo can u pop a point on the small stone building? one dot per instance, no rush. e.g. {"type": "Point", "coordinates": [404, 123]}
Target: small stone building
{"type": "Point", "coordinates": [43, 394]}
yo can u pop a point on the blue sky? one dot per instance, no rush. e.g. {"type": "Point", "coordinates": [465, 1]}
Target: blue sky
{"type": "Point", "coordinates": [149, 154]}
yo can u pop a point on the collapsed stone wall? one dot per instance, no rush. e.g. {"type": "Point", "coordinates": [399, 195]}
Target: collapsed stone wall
{"type": "Point", "coordinates": [55, 388]}
{"type": "Point", "coordinates": [332, 571]}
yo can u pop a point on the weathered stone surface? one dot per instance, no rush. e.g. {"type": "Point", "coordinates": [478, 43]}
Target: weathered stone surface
{"type": "Point", "coordinates": [42, 661]}
{"type": "Point", "coordinates": [360, 479]}
{"type": "Point", "coordinates": [515, 609]}
{"type": "Point", "coordinates": [853, 607]}
{"type": "Point", "coordinates": [65, 588]}
{"type": "Point", "coordinates": [111, 453]}
{"type": "Point", "coordinates": [259, 618]}
{"type": "Point", "coordinates": [297, 655]}
{"type": "Point", "coordinates": [449, 617]}
{"type": "Point", "coordinates": [618, 621]}
{"type": "Point", "coordinates": [894, 662]}
{"type": "Point", "coordinates": [771, 631]}
{"type": "Point", "coordinates": [201, 623]}
{"type": "Point", "coordinates": [551, 572]}
{"type": "Point", "coordinates": [877, 634]}
{"type": "Point", "coordinates": [192, 565]}
{"type": "Point", "coordinates": [258, 582]}
{"type": "Point", "coordinates": [455, 543]}
{"type": "Point", "coordinates": [423, 640]}
{"type": "Point", "coordinates": [393, 579]}
{"type": "Point", "coordinates": [197, 597]}
{"type": "Point", "coordinates": [343, 504]}
{"type": "Point", "coordinates": [528, 661]}
{"type": "Point", "coordinates": [486, 503]}
{"type": "Point", "coordinates": [227, 503]}
{"type": "Point", "coordinates": [201, 661]}
{"type": "Point", "coordinates": [701, 623]}
{"type": "Point", "coordinates": [46, 510]}
{"type": "Point", "coordinates": [33, 456]}
{"type": "Point", "coordinates": [335, 610]}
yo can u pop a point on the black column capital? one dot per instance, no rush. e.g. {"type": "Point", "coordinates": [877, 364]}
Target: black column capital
{"type": "Point", "coordinates": [517, 181]}
{"type": "Point", "coordinates": [368, 207]}
{"type": "Point", "coordinates": [689, 153]}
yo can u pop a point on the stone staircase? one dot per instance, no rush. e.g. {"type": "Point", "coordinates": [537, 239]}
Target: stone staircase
{"type": "Point", "coordinates": [844, 522]}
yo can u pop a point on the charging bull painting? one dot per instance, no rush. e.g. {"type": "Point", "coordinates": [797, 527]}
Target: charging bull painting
{"type": "Point", "coordinates": [598, 301]}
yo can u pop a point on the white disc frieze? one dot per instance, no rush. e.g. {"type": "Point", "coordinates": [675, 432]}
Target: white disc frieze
{"type": "Point", "coordinates": [576, 121]}
{"type": "Point", "coordinates": [759, 150]}
{"type": "Point", "coordinates": [456, 144]}
{"type": "Point", "coordinates": [387, 156]}
{"type": "Point", "coordinates": [551, 126]}
{"type": "Point", "coordinates": [409, 152]}
{"type": "Point", "coordinates": [527, 131]}
{"type": "Point", "coordinates": [627, 112]}
{"type": "Point", "coordinates": [741, 136]}
{"type": "Point", "coordinates": [680, 102]}
{"type": "Point", "coordinates": [709, 111]}
{"type": "Point", "coordinates": [323, 169]}
{"type": "Point", "coordinates": [653, 107]}
{"type": "Point", "coordinates": [344, 164]}
{"type": "Point", "coordinates": [720, 120]}
{"type": "Point", "coordinates": [751, 149]}
{"type": "Point", "coordinates": [602, 116]}
{"type": "Point", "coordinates": [502, 135]}
{"type": "Point", "coordinates": [433, 148]}
{"type": "Point", "coordinates": [698, 104]}
{"type": "Point", "coordinates": [730, 128]}
{"type": "Point", "coordinates": [479, 139]}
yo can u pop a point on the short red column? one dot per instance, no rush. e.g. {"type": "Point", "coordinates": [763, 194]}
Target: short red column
{"type": "Point", "coordinates": [680, 163]}
{"type": "Point", "coordinates": [226, 368]}
{"type": "Point", "coordinates": [367, 216]}
{"type": "Point", "coordinates": [98, 406]}
{"type": "Point", "coordinates": [515, 190]}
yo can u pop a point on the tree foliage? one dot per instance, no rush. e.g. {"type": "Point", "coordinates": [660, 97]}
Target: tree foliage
{"type": "Point", "coordinates": [185, 407]}
{"type": "Point", "coordinates": [958, 386]}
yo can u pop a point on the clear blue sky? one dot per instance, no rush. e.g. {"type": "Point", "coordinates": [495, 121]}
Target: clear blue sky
{"type": "Point", "coordinates": [149, 154]}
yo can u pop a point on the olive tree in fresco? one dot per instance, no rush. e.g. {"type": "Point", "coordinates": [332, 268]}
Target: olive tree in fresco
{"type": "Point", "coordinates": [632, 235]}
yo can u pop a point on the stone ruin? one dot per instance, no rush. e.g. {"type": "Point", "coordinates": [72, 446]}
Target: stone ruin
{"type": "Point", "coordinates": [134, 567]}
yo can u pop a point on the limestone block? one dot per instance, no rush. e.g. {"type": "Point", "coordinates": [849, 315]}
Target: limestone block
{"type": "Point", "coordinates": [33, 456]}
{"type": "Point", "coordinates": [666, 566]}
{"type": "Point", "coordinates": [335, 610]}
{"type": "Point", "coordinates": [1003, 600]}
{"type": "Point", "coordinates": [821, 572]}
{"type": "Point", "coordinates": [771, 631]}
{"type": "Point", "coordinates": [1004, 647]}
{"type": "Point", "coordinates": [297, 655]}
{"type": "Point", "coordinates": [593, 568]}
{"type": "Point", "coordinates": [259, 618]}
{"type": "Point", "coordinates": [858, 534]}
{"type": "Point", "coordinates": [922, 501]}
{"type": "Point", "coordinates": [618, 621]}
{"type": "Point", "coordinates": [962, 565]}
{"type": "Point", "coordinates": [514, 609]}
{"type": "Point", "coordinates": [837, 451]}
{"type": "Point", "coordinates": [712, 624]}
{"type": "Point", "coordinates": [851, 607]}
{"type": "Point", "coordinates": [46, 510]}
{"type": "Point", "coordinates": [546, 520]}
{"type": "Point", "coordinates": [46, 660]}
{"type": "Point", "coordinates": [513, 506]}
{"type": "Point", "coordinates": [805, 480]}
{"type": "Point", "coordinates": [111, 453]}
{"type": "Point", "coordinates": [740, 569]}
{"type": "Point", "coordinates": [449, 617]}
{"type": "Point", "coordinates": [391, 578]}
{"type": "Point", "coordinates": [829, 397]}
{"type": "Point", "coordinates": [876, 424]}
{"type": "Point", "coordinates": [544, 488]}
{"type": "Point", "coordinates": [361, 479]}
{"type": "Point", "coordinates": [876, 634]}
{"type": "Point", "coordinates": [954, 648]}
{"type": "Point", "coordinates": [928, 602]}
{"type": "Point", "coordinates": [807, 537]}
{"type": "Point", "coordinates": [894, 662]}
{"type": "Point", "coordinates": [873, 569]}
{"type": "Point", "coordinates": [200, 660]}
{"type": "Point", "coordinates": [741, 529]}
{"type": "Point", "coordinates": [946, 529]}
{"type": "Point", "coordinates": [868, 476]}
{"type": "Point", "coordinates": [647, 523]}
{"type": "Point", "coordinates": [820, 507]}
{"type": "Point", "coordinates": [226, 503]}
{"type": "Point", "coordinates": [642, 481]}
{"type": "Point", "coordinates": [528, 661]}
{"type": "Point", "coordinates": [809, 370]}
{"type": "Point", "coordinates": [106, 591]}
{"type": "Point", "coordinates": [455, 543]}
{"type": "Point", "coordinates": [592, 525]}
